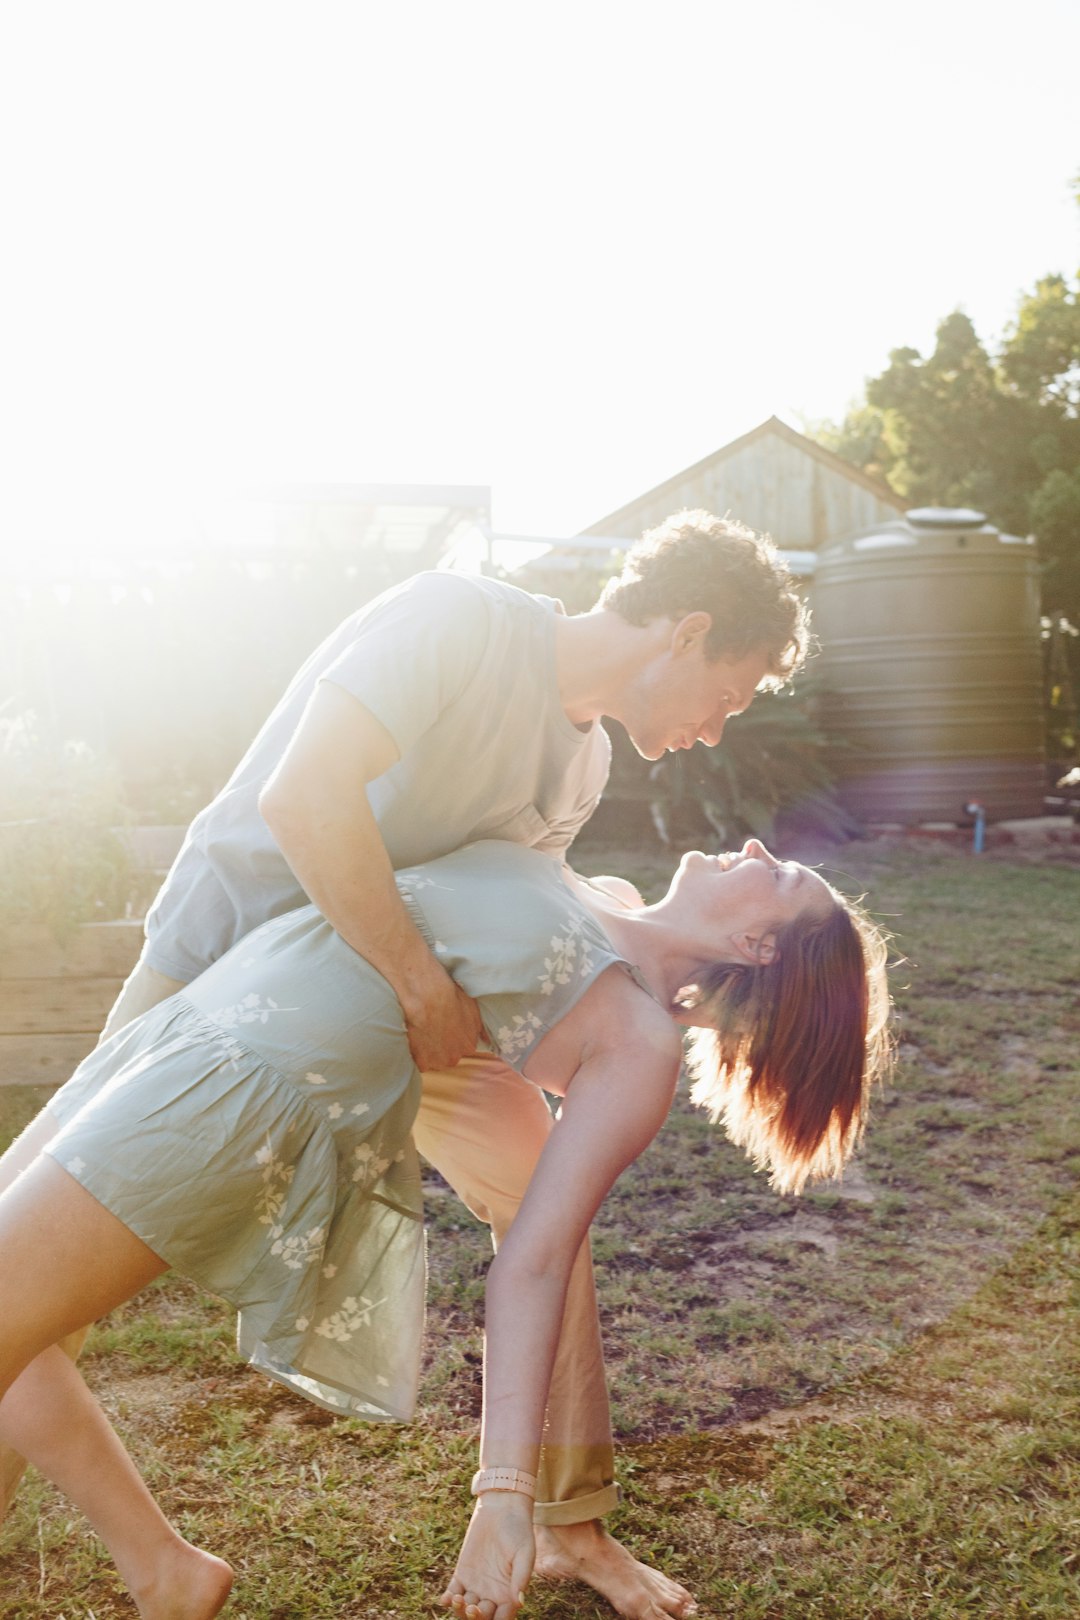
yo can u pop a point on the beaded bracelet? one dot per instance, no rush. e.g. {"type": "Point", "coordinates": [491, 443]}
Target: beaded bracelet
{"type": "Point", "coordinates": [504, 1479]}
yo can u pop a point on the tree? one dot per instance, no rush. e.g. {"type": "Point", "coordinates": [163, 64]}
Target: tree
{"type": "Point", "coordinates": [1040, 358]}
{"type": "Point", "coordinates": [1055, 518]}
{"type": "Point", "coordinates": [997, 430]}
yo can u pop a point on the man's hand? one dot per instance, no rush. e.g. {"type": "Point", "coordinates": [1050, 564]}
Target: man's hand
{"type": "Point", "coordinates": [442, 1022]}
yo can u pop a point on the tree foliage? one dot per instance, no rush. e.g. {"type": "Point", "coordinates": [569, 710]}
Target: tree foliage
{"type": "Point", "coordinates": [963, 427]}
{"type": "Point", "coordinates": [997, 429]}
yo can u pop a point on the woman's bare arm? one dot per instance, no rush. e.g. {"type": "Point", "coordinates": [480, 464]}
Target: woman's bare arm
{"type": "Point", "coordinates": [614, 1105]}
{"type": "Point", "coordinates": [616, 1102]}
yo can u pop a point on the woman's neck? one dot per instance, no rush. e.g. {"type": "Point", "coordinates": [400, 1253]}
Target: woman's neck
{"type": "Point", "coordinates": [645, 937]}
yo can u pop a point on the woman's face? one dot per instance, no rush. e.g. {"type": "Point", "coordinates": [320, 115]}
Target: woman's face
{"type": "Point", "coordinates": [749, 892]}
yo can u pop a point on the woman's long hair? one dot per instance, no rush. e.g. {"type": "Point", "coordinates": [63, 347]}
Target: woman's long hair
{"type": "Point", "coordinates": [787, 1053]}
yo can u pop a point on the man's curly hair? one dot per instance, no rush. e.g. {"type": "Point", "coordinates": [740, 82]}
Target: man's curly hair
{"type": "Point", "coordinates": [695, 562]}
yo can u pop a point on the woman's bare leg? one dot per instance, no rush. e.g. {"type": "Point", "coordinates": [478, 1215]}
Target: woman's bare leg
{"type": "Point", "coordinates": [64, 1261]}
{"type": "Point", "coordinates": [19, 1156]}
{"type": "Point", "coordinates": [144, 988]}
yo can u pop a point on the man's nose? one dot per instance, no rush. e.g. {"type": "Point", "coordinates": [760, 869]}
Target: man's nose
{"type": "Point", "coordinates": [711, 732]}
{"type": "Point", "coordinates": [756, 850]}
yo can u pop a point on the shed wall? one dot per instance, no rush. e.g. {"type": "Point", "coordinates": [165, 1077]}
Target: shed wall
{"type": "Point", "coordinates": [772, 485]}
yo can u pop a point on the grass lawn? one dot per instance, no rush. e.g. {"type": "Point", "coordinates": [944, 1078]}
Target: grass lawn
{"type": "Point", "coordinates": [860, 1405]}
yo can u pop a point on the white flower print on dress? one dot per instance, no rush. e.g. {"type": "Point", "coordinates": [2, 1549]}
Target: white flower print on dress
{"type": "Point", "coordinates": [252, 1010]}
{"type": "Point", "coordinates": [370, 1164]}
{"type": "Point", "coordinates": [276, 1177]}
{"type": "Point", "coordinates": [315, 1079]}
{"type": "Point", "coordinates": [300, 1249]}
{"type": "Point", "coordinates": [571, 952]}
{"type": "Point", "coordinates": [353, 1315]}
{"type": "Point", "coordinates": [571, 955]}
{"type": "Point", "coordinates": [517, 1036]}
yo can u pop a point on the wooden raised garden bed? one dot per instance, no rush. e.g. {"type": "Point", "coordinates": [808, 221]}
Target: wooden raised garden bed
{"type": "Point", "coordinates": [55, 997]}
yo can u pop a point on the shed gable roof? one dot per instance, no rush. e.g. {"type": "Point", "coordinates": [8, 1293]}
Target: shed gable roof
{"type": "Point", "coordinates": [679, 490]}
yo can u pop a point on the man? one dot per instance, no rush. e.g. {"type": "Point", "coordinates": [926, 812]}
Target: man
{"type": "Point", "coordinates": [448, 710]}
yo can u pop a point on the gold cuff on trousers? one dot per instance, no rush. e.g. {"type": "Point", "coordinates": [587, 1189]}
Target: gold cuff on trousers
{"type": "Point", "coordinates": [576, 1509]}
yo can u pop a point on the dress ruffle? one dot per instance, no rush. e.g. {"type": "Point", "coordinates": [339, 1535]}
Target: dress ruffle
{"type": "Point", "coordinates": [302, 1213]}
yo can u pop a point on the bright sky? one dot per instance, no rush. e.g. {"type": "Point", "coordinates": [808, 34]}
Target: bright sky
{"type": "Point", "coordinates": [563, 250]}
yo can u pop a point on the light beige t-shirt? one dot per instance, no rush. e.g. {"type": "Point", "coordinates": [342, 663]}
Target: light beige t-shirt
{"type": "Point", "coordinates": [461, 672]}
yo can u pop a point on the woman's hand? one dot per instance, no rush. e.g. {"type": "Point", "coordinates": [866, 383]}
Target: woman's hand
{"type": "Point", "coordinates": [496, 1559]}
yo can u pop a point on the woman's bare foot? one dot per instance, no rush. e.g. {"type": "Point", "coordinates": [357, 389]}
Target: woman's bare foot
{"type": "Point", "coordinates": [188, 1584]}
{"type": "Point", "coordinates": [585, 1552]}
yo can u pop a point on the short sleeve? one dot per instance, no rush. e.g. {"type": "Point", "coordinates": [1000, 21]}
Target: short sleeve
{"type": "Point", "coordinates": [561, 834]}
{"type": "Point", "coordinates": [415, 653]}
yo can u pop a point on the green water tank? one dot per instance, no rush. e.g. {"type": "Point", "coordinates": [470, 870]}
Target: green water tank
{"type": "Point", "coordinates": [932, 668]}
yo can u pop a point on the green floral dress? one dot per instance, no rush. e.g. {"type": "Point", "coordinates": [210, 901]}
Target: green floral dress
{"type": "Point", "coordinates": [254, 1129]}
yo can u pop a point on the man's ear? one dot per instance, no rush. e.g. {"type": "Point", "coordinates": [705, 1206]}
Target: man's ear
{"type": "Point", "coordinates": [690, 632]}
{"type": "Point", "coordinates": [757, 949]}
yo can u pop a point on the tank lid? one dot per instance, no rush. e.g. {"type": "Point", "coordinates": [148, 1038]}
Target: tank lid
{"type": "Point", "coordinates": [945, 517]}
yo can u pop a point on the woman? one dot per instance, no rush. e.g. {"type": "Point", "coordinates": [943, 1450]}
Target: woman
{"type": "Point", "coordinates": [253, 1131]}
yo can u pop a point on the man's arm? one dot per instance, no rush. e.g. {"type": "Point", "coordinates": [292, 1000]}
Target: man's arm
{"type": "Point", "coordinates": [317, 808]}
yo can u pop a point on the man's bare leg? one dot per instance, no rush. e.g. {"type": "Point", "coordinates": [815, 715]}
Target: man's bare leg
{"type": "Point", "coordinates": [65, 1258]}
{"type": "Point", "coordinates": [483, 1128]}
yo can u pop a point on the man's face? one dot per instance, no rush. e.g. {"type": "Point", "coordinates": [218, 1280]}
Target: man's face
{"type": "Point", "coordinates": [680, 698]}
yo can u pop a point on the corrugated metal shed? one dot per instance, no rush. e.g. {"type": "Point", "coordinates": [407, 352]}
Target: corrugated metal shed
{"type": "Point", "coordinates": [774, 479]}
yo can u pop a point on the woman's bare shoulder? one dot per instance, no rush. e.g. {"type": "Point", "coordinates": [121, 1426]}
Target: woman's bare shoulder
{"type": "Point", "coordinates": [618, 888]}
{"type": "Point", "coordinates": [614, 1015]}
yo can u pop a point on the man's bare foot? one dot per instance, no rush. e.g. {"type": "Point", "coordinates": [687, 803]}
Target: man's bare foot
{"type": "Point", "coordinates": [188, 1584]}
{"type": "Point", "coordinates": [585, 1552]}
